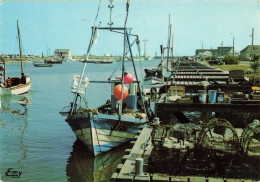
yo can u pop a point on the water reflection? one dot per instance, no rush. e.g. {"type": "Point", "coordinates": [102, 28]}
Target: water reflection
{"type": "Point", "coordinates": [14, 110]}
{"type": "Point", "coordinates": [15, 104]}
{"type": "Point", "coordinates": [83, 166]}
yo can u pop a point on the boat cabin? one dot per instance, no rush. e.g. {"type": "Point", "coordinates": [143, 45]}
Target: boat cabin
{"type": "Point", "coordinates": [130, 102]}
{"type": "Point", "coordinates": [19, 80]}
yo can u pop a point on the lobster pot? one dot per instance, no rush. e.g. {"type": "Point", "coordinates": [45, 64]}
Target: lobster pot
{"type": "Point", "coordinates": [202, 96]}
{"type": "Point", "coordinates": [250, 139]}
{"type": "Point", "coordinates": [130, 102]}
{"type": "Point", "coordinates": [220, 136]}
{"type": "Point", "coordinates": [212, 96]}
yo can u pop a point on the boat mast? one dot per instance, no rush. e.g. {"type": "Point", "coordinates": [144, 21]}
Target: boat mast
{"type": "Point", "coordinates": [93, 34]}
{"type": "Point", "coordinates": [21, 59]}
{"type": "Point", "coordinates": [172, 47]}
{"type": "Point", "coordinates": [4, 70]}
{"type": "Point", "coordinates": [92, 39]}
{"type": "Point", "coordinates": [132, 58]}
{"type": "Point", "coordinates": [168, 44]}
{"type": "Point", "coordinates": [123, 62]}
{"type": "Point", "coordinates": [162, 63]}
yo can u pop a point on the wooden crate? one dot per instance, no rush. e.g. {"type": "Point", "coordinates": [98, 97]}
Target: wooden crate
{"type": "Point", "coordinates": [255, 97]}
{"type": "Point", "coordinates": [236, 74]}
{"type": "Point", "coordinates": [180, 90]}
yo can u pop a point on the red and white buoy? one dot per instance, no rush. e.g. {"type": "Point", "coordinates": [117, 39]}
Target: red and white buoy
{"type": "Point", "coordinates": [128, 78]}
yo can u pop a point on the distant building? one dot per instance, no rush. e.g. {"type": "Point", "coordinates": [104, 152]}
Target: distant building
{"type": "Point", "coordinates": [108, 55]}
{"type": "Point", "coordinates": [64, 54]}
{"type": "Point", "coordinates": [222, 51]}
{"type": "Point", "coordinates": [248, 50]}
{"type": "Point", "coordinates": [156, 56]}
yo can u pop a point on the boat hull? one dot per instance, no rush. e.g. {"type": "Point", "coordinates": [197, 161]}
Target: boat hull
{"type": "Point", "coordinates": [17, 90]}
{"type": "Point", "coordinates": [95, 132]}
{"type": "Point", "coordinates": [42, 65]}
{"type": "Point", "coordinates": [53, 61]}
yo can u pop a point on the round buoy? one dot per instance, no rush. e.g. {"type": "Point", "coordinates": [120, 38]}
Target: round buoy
{"type": "Point", "coordinates": [117, 92]}
{"type": "Point", "coordinates": [142, 115]}
{"type": "Point", "coordinates": [255, 88]}
{"type": "Point", "coordinates": [128, 78]}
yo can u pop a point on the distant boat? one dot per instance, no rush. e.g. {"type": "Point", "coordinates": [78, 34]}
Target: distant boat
{"type": "Point", "coordinates": [42, 65]}
{"type": "Point", "coordinates": [18, 85]}
{"type": "Point", "coordinates": [103, 62]}
{"type": "Point", "coordinates": [150, 72]}
{"type": "Point", "coordinates": [89, 61]}
{"type": "Point", "coordinates": [53, 61]}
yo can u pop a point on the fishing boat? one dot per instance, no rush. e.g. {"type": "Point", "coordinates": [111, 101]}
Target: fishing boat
{"type": "Point", "coordinates": [15, 85]}
{"type": "Point", "coordinates": [103, 62]}
{"type": "Point", "coordinates": [89, 61]}
{"type": "Point", "coordinates": [150, 72]}
{"type": "Point", "coordinates": [120, 118]}
{"type": "Point", "coordinates": [53, 61]}
{"type": "Point", "coordinates": [42, 65]}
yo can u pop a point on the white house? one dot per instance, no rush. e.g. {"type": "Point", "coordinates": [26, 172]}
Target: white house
{"type": "Point", "coordinates": [64, 54]}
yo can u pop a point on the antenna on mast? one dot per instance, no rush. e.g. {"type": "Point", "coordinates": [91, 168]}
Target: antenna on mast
{"type": "Point", "coordinates": [111, 6]}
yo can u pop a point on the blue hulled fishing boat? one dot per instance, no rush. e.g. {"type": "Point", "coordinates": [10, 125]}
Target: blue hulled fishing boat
{"type": "Point", "coordinates": [120, 118]}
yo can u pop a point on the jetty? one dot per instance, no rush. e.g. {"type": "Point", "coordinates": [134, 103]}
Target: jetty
{"type": "Point", "coordinates": [213, 149]}
{"type": "Point", "coordinates": [192, 75]}
{"type": "Point", "coordinates": [138, 163]}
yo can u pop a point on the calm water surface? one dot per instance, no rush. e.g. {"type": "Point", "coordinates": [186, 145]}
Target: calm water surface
{"type": "Point", "coordinates": [34, 137]}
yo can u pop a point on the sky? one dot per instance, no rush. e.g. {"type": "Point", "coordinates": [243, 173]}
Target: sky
{"type": "Point", "coordinates": [65, 24]}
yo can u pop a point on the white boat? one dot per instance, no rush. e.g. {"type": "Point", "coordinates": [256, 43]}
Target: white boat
{"type": "Point", "coordinates": [117, 121]}
{"type": "Point", "coordinates": [19, 88]}
{"type": "Point", "coordinates": [19, 85]}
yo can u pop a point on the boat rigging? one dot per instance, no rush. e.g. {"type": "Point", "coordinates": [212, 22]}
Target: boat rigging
{"type": "Point", "coordinates": [120, 118]}
{"type": "Point", "coordinates": [15, 85]}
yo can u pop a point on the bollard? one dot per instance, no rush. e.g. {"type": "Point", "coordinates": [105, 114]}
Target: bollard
{"type": "Point", "coordinates": [156, 121]}
{"type": "Point", "coordinates": [165, 99]}
{"type": "Point", "coordinates": [139, 164]}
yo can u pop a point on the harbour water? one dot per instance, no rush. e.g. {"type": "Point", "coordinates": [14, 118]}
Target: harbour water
{"type": "Point", "coordinates": [34, 137]}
